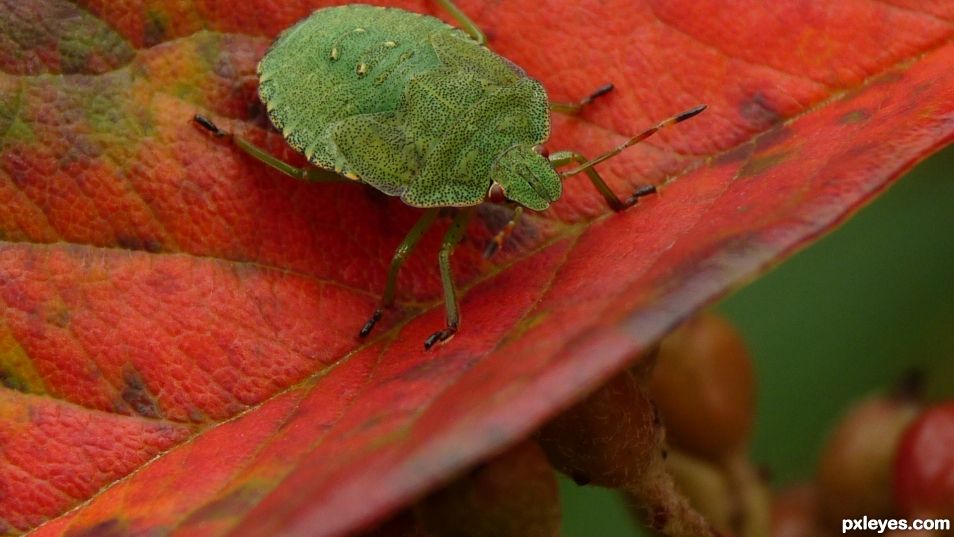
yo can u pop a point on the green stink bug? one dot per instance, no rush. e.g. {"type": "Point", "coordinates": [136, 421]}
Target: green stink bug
{"type": "Point", "coordinates": [419, 109]}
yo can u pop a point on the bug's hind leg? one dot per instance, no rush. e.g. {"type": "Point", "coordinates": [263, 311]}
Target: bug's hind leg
{"type": "Point", "coordinates": [307, 174]}
{"type": "Point", "coordinates": [501, 237]}
{"type": "Point", "coordinates": [574, 108]}
{"type": "Point", "coordinates": [400, 255]}
{"type": "Point", "coordinates": [450, 242]}
{"type": "Point", "coordinates": [464, 21]}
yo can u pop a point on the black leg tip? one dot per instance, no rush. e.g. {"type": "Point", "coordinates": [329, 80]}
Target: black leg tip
{"type": "Point", "coordinates": [603, 90]}
{"type": "Point", "coordinates": [368, 326]}
{"type": "Point", "coordinates": [441, 336]}
{"type": "Point", "coordinates": [491, 249]}
{"type": "Point", "coordinates": [207, 124]}
{"type": "Point", "coordinates": [691, 112]}
{"type": "Point", "coordinates": [644, 190]}
{"type": "Point", "coordinates": [641, 190]}
{"type": "Point", "coordinates": [599, 92]}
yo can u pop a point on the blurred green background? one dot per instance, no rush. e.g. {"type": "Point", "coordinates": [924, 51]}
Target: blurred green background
{"type": "Point", "coordinates": [840, 319]}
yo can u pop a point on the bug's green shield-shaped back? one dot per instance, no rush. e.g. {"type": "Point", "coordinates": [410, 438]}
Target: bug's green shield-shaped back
{"type": "Point", "coordinates": [400, 101]}
{"type": "Point", "coordinates": [309, 78]}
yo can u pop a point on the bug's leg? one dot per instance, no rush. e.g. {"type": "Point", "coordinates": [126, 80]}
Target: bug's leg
{"type": "Point", "coordinates": [400, 255]}
{"type": "Point", "coordinates": [574, 108]}
{"type": "Point", "coordinates": [561, 158]}
{"type": "Point", "coordinates": [464, 21]}
{"type": "Point", "coordinates": [501, 237]}
{"type": "Point", "coordinates": [307, 174]}
{"type": "Point", "coordinates": [451, 239]}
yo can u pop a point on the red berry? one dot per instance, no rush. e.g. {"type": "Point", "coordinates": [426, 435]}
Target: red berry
{"type": "Point", "coordinates": [924, 466]}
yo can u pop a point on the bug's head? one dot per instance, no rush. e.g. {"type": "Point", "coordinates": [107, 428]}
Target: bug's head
{"type": "Point", "coordinates": [524, 175]}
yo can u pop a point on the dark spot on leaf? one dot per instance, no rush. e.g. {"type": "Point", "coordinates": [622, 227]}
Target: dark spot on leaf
{"type": "Point", "coordinates": [433, 369]}
{"type": "Point", "coordinates": [58, 316]}
{"type": "Point", "coordinates": [82, 149]}
{"type": "Point", "coordinates": [136, 394]}
{"type": "Point", "coordinates": [772, 137]}
{"type": "Point", "coordinates": [9, 380]}
{"type": "Point", "coordinates": [164, 282]}
{"type": "Point", "coordinates": [130, 242]}
{"type": "Point", "coordinates": [224, 68]}
{"type": "Point", "coordinates": [369, 424]}
{"type": "Point", "coordinates": [195, 414]}
{"type": "Point", "coordinates": [855, 116]}
{"type": "Point", "coordinates": [154, 31]}
{"type": "Point", "coordinates": [739, 154]}
{"type": "Point", "coordinates": [107, 528]}
{"type": "Point", "coordinates": [860, 150]}
{"type": "Point", "coordinates": [759, 112]}
{"type": "Point", "coordinates": [237, 501]}
{"type": "Point", "coordinates": [57, 37]}
{"type": "Point", "coordinates": [527, 323]}
{"type": "Point", "coordinates": [759, 163]}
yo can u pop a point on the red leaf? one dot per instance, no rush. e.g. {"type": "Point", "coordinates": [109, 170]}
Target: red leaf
{"type": "Point", "coordinates": [177, 333]}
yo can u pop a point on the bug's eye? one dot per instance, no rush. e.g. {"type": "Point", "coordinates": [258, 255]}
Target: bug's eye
{"type": "Point", "coordinates": [543, 151]}
{"type": "Point", "coordinates": [496, 193]}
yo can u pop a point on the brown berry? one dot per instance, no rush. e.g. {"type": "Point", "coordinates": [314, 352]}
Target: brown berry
{"type": "Point", "coordinates": [704, 387]}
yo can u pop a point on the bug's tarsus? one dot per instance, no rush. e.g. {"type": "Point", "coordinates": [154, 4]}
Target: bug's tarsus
{"type": "Point", "coordinates": [575, 108]}
{"type": "Point", "coordinates": [441, 336]}
{"type": "Point", "coordinates": [400, 255]}
{"type": "Point", "coordinates": [639, 192]}
{"type": "Point", "coordinates": [451, 239]}
{"type": "Point", "coordinates": [600, 91]}
{"type": "Point", "coordinates": [305, 173]}
{"type": "Point", "coordinates": [689, 113]}
{"type": "Point", "coordinates": [368, 326]}
{"type": "Point", "coordinates": [501, 237]}
{"type": "Point", "coordinates": [208, 125]}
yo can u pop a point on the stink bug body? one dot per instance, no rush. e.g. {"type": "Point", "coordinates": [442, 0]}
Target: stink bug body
{"type": "Point", "coordinates": [422, 110]}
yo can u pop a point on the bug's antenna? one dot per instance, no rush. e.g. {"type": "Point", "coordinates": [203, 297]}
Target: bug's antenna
{"type": "Point", "coordinates": [635, 140]}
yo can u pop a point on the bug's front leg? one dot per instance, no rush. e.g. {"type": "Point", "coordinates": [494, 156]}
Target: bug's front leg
{"type": "Point", "coordinates": [562, 158]}
{"type": "Point", "coordinates": [574, 108]}
{"type": "Point", "coordinates": [451, 240]}
{"type": "Point", "coordinates": [400, 255]}
{"type": "Point", "coordinates": [306, 174]}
